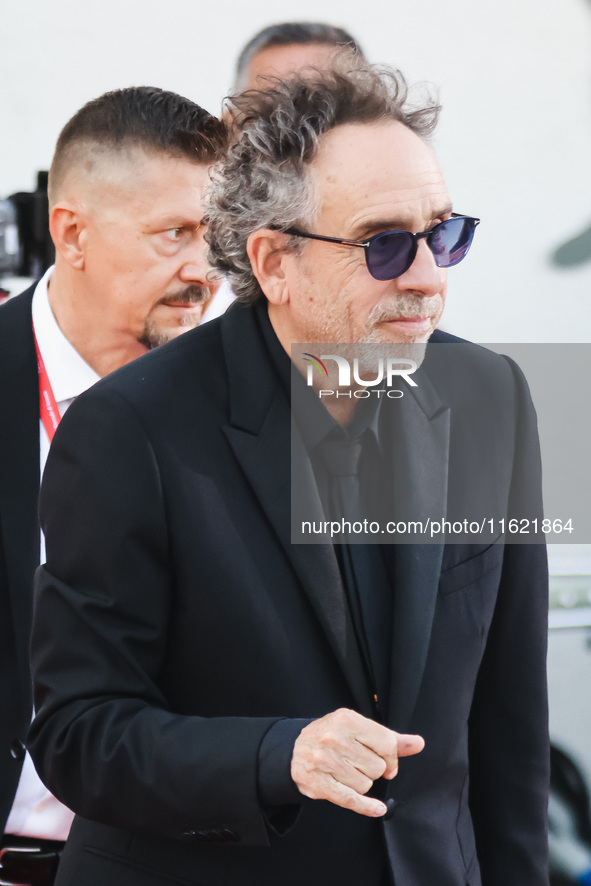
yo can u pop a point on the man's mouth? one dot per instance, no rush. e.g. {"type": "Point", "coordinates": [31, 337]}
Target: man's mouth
{"type": "Point", "coordinates": [408, 314]}
{"type": "Point", "coordinates": [423, 321]}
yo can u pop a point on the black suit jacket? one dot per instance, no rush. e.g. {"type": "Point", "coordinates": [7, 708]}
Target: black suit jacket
{"type": "Point", "coordinates": [176, 623]}
{"type": "Point", "coordinates": [19, 533]}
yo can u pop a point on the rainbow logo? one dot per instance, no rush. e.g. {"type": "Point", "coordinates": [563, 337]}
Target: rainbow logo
{"type": "Point", "coordinates": [316, 362]}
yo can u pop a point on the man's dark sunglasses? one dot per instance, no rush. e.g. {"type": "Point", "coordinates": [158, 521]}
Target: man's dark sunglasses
{"type": "Point", "coordinates": [390, 254]}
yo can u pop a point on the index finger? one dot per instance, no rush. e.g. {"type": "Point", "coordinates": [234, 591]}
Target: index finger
{"type": "Point", "coordinates": [348, 798]}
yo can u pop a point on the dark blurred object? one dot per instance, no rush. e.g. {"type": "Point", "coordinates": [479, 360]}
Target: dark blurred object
{"type": "Point", "coordinates": [567, 782]}
{"type": "Point", "coordinates": [569, 820]}
{"type": "Point", "coordinates": [36, 252]}
{"type": "Point", "coordinates": [10, 246]}
{"type": "Point", "coordinates": [573, 252]}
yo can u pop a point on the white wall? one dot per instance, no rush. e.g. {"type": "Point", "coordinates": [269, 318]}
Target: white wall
{"type": "Point", "coordinates": [514, 142]}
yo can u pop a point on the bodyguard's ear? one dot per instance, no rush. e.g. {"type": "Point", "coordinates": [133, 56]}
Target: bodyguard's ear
{"type": "Point", "coordinates": [67, 232]}
{"type": "Point", "coordinates": [266, 251]}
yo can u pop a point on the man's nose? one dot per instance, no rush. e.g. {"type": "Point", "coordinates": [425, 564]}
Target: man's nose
{"type": "Point", "coordinates": [423, 277]}
{"type": "Point", "coordinates": [196, 268]}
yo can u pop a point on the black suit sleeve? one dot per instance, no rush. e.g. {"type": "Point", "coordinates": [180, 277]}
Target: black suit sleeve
{"type": "Point", "coordinates": [276, 786]}
{"type": "Point", "coordinates": [508, 730]}
{"type": "Point", "coordinates": [104, 739]}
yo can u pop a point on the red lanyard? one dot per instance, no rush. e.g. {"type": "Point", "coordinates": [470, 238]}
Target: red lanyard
{"type": "Point", "coordinates": [48, 411]}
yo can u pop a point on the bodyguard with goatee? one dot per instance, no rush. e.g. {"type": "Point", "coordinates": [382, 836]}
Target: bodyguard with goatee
{"type": "Point", "coordinates": [219, 705]}
{"type": "Point", "coordinates": [126, 217]}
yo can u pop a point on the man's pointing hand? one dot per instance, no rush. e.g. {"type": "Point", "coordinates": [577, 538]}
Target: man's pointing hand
{"type": "Point", "coordinates": [338, 757]}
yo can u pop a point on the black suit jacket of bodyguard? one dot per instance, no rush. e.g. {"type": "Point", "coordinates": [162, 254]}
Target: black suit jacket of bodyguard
{"type": "Point", "coordinates": [175, 623]}
{"type": "Point", "coordinates": [19, 533]}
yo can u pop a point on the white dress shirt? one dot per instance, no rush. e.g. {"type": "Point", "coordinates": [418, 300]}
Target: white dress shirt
{"type": "Point", "coordinates": [36, 812]}
{"type": "Point", "coordinates": [219, 303]}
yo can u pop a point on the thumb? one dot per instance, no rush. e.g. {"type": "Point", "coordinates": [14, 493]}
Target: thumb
{"type": "Point", "coordinates": [410, 744]}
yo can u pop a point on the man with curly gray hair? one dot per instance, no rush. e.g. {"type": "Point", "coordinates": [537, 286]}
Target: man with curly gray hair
{"type": "Point", "coordinates": [231, 706]}
{"type": "Point", "coordinates": [268, 180]}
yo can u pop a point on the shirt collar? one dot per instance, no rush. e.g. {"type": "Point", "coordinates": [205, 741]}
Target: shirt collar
{"type": "Point", "coordinates": [69, 374]}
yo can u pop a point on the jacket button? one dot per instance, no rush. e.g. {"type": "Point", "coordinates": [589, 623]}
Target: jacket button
{"type": "Point", "coordinates": [391, 804]}
{"type": "Point", "coordinates": [200, 836]}
{"type": "Point", "coordinates": [213, 835]}
{"type": "Point", "coordinates": [228, 835]}
{"type": "Point", "coordinates": [205, 836]}
{"type": "Point", "coordinates": [18, 749]}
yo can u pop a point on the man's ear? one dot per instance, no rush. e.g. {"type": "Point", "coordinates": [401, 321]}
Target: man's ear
{"type": "Point", "coordinates": [266, 251]}
{"type": "Point", "coordinates": [67, 232]}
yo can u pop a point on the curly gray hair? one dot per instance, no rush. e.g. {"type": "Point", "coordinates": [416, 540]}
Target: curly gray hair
{"type": "Point", "coordinates": [264, 182]}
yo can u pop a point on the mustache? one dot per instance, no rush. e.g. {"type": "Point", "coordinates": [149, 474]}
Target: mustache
{"type": "Point", "coordinates": [407, 307]}
{"type": "Point", "coordinates": [191, 295]}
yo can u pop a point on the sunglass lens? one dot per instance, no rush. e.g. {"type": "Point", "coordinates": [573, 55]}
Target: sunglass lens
{"type": "Point", "coordinates": [390, 254]}
{"type": "Point", "coordinates": [450, 241]}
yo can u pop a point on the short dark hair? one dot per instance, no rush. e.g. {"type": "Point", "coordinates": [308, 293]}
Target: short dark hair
{"type": "Point", "coordinates": [264, 180]}
{"type": "Point", "coordinates": [138, 117]}
{"type": "Point", "coordinates": [289, 33]}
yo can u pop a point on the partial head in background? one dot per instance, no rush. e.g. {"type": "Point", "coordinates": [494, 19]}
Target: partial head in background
{"type": "Point", "coordinates": [126, 188]}
{"type": "Point", "coordinates": [284, 49]}
{"type": "Point", "coordinates": [344, 155]}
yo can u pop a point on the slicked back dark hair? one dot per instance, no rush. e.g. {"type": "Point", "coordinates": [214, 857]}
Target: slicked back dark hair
{"type": "Point", "coordinates": [143, 117]}
{"type": "Point", "coordinates": [290, 33]}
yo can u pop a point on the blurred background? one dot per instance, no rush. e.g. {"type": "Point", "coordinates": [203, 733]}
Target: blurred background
{"type": "Point", "coordinates": [514, 141]}
{"type": "Point", "coordinates": [514, 144]}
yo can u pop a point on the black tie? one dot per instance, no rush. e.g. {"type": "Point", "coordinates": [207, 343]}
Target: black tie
{"type": "Point", "coordinates": [341, 459]}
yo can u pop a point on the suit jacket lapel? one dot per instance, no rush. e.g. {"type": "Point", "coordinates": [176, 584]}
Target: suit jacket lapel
{"type": "Point", "coordinates": [420, 492]}
{"type": "Point", "coordinates": [259, 434]}
{"type": "Point", "coordinates": [19, 464]}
